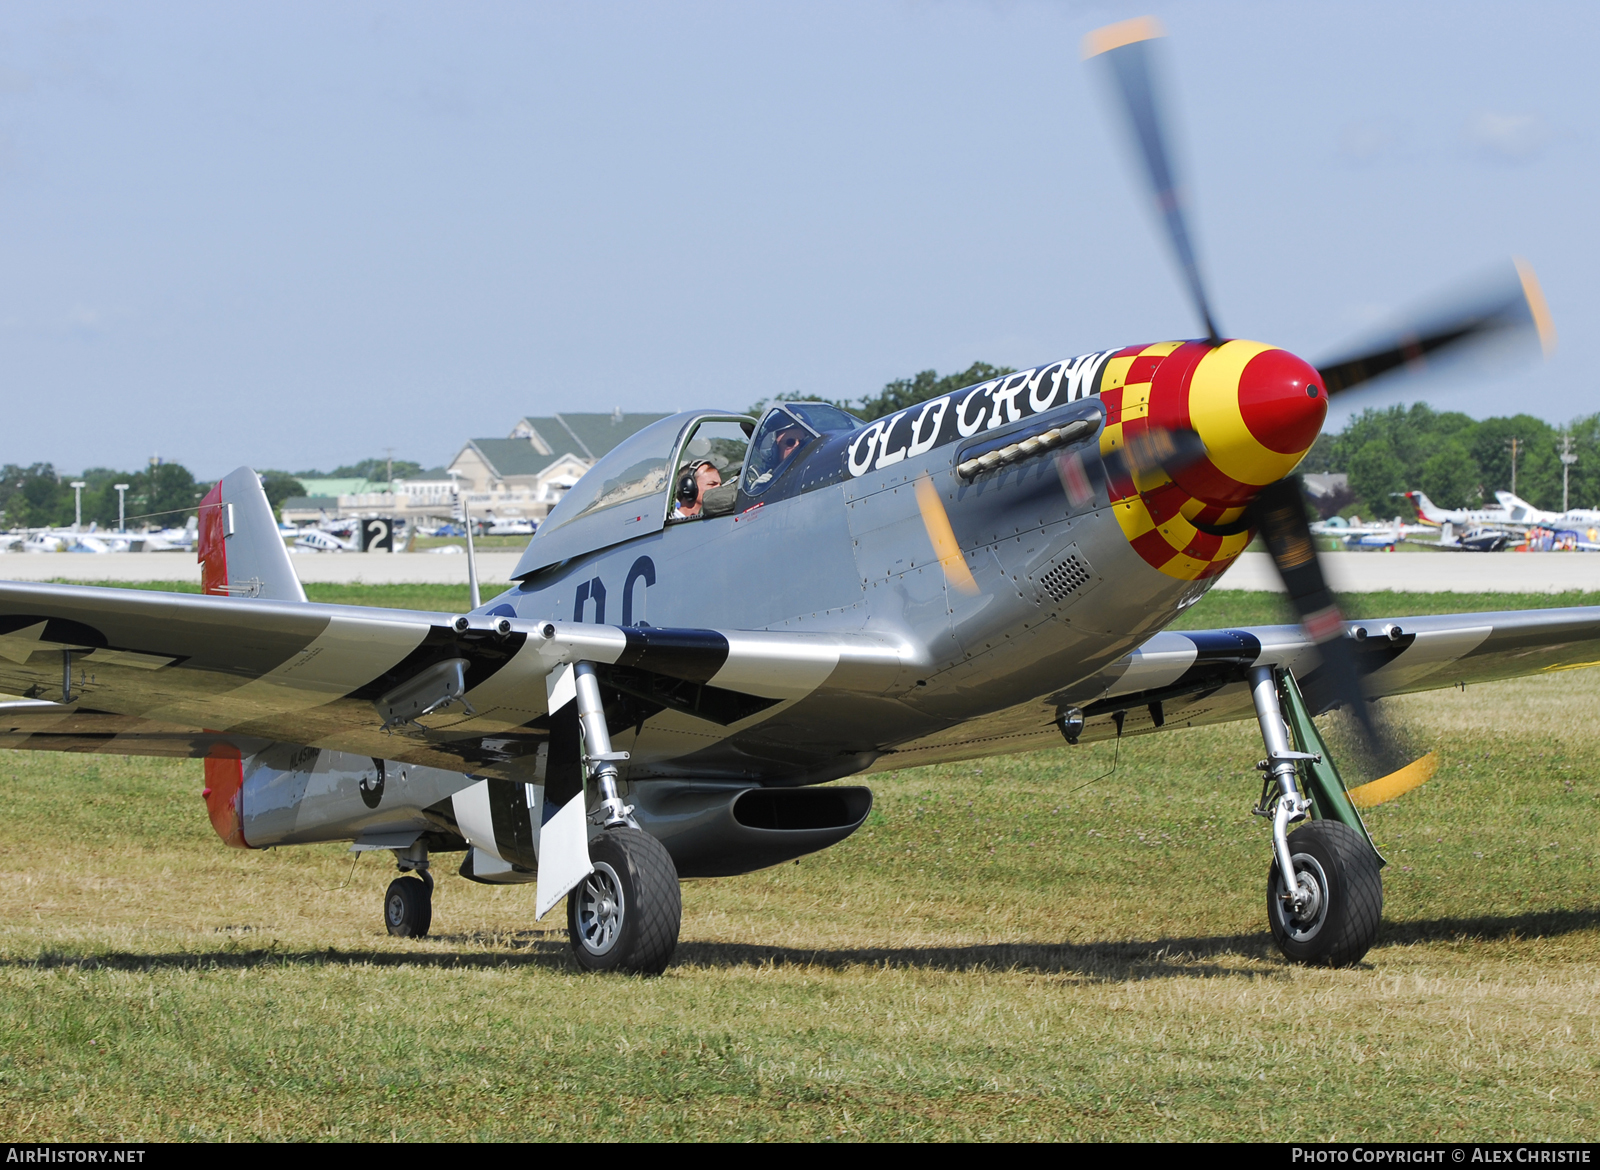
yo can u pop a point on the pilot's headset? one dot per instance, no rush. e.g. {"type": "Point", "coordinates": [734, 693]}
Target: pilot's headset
{"type": "Point", "coordinates": [688, 485]}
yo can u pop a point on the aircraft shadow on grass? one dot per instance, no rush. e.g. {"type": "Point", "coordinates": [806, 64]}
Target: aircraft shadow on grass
{"type": "Point", "coordinates": [1101, 962]}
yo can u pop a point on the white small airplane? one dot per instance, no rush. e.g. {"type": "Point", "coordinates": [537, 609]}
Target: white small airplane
{"type": "Point", "coordinates": [1433, 515]}
{"type": "Point", "coordinates": [44, 541]}
{"type": "Point", "coordinates": [316, 540]}
{"type": "Point", "coordinates": [48, 540]}
{"type": "Point", "coordinates": [1523, 512]}
{"type": "Point", "coordinates": [1381, 536]}
{"type": "Point", "coordinates": [491, 525]}
{"type": "Point", "coordinates": [1372, 534]}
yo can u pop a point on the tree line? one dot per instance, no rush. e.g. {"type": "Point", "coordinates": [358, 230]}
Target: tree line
{"type": "Point", "coordinates": [1460, 462]}
{"type": "Point", "coordinates": [163, 495]}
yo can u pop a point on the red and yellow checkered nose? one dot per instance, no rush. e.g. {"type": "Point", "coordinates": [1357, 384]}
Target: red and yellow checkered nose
{"type": "Point", "coordinates": [1256, 408]}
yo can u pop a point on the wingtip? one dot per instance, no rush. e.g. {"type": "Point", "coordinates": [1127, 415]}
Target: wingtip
{"type": "Point", "coordinates": [1537, 305]}
{"type": "Point", "coordinates": [1125, 32]}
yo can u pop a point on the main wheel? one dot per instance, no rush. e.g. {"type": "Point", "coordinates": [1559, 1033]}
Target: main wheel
{"type": "Point", "coordinates": [625, 915]}
{"type": "Point", "coordinates": [408, 907]}
{"type": "Point", "coordinates": [1339, 921]}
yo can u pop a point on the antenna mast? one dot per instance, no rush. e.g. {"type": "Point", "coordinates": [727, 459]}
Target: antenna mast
{"type": "Point", "coordinates": [1567, 460]}
{"type": "Point", "coordinates": [466, 522]}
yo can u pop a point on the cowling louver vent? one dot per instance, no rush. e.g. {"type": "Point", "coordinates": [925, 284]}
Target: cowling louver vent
{"type": "Point", "coordinates": [1066, 578]}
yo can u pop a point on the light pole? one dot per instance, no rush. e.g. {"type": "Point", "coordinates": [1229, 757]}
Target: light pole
{"type": "Point", "coordinates": [122, 506]}
{"type": "Point", "coordinates": [77, 503]}
{"type": "Point", "coordinates": [1567, 460]}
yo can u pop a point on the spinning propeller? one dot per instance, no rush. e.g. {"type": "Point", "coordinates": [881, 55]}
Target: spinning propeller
{"type": "Point", "coordinates": [1509, 311]}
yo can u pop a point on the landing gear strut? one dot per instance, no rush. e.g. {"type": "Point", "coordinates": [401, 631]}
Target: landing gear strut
{"type": "Point", "coordinates": [1324, 892]}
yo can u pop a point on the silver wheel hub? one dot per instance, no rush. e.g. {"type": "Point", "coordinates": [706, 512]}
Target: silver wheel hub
{"type": "Point", "coordinates": [601, 908]}
{"type": "Point", "coordinates": [1305, 921]}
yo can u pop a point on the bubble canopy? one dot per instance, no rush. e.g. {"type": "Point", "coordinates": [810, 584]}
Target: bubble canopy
{"type": "Point", "coordinates": [622, 496]}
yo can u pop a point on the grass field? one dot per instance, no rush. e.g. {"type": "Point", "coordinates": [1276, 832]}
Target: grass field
{"type": "Point", "coordinates": [1001, 951]}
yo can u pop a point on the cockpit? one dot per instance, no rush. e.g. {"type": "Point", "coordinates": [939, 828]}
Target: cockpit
{"type": "Point", "coordinates": [690, 467]}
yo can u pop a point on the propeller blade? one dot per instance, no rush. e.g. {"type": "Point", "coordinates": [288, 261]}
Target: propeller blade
{"type": "Point", "coordinates": [943, 538]}
{"type": "Point", "coordinates": [1279, 513]}
{"type": "Point", "coordinates": [1126, 50]}
{"type": "Point", "coordinates": [1155, 450]}
{"type": "Point", "coordinates": [1512, 308]}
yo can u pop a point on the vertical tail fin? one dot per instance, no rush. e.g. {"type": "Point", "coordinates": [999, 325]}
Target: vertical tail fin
{"type": "Point", "coordinates": [1423, 506]}
{"type": "Point", "coordinates": [241, 552]}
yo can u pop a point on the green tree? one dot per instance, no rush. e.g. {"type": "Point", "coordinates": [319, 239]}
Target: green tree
{"type": "Point", "coordinates": [376, 470]}
{"type": "Point", "coordinates": [1538, 470]}
{"type": "Point", "coordinates": [100, 496]}
{"type": "Point", "coordinates": [34, 496]}
{"type": "Point", "coordinates": [1451, 476]}
{"type": "Point", "coordinates": [163, 496]}
{"type": "Point", "coordinates": [1375, 475]}
{"type": "Point", "coordinates": [279, 486]}
{"type": "Point", "coordinates": [759, 407]}
{"type": "Point", "coordinates": [1583, 478]}
{"type": "Point", "coordinates": [904, 392]}
{"type": "Point", "coordinates": [896, 395]}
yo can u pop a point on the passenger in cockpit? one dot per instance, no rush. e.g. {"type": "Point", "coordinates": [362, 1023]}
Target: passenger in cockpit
{"type": "Point", "coordinates": [786, 443]}
{"type": "Point", "coordinates": [775, 452]}
{"type": "Point", "coordinates": [693, 481]}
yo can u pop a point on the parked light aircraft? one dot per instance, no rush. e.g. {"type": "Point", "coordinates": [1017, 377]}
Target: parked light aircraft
{"type": "Point", "coordinates": [1431, 514]}
{"type": "Point", "coordinates": [491, 525]}
{"type": "Point", "coordinates": [316, 540]}
{"type": "Point", "coordinates": [989, 571]}
{"type": "Point", "coordinates": [99, 540]}
{"type": "Point", "coordinates": [1377, 536]}
{"type": "Point", "coordinates": [1481, 538]}
{"type": "Point", "coordinates": [1371, 535]}
{"type": "Point", "coordinates": [1524, 513]}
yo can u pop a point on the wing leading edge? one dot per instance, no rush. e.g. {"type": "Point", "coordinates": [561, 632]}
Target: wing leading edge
{"type": "Point", "coordinates": [1199, 677]}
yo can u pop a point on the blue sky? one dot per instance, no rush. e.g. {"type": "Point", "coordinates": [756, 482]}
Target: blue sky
{"type": "Point", "coordinates": [294, 235]}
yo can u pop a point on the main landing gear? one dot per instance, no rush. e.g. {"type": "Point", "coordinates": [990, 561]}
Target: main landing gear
{"type": "Point", "coordinates": [626, 914]}
{"type": "Point", "coordinates": [1326, 911]}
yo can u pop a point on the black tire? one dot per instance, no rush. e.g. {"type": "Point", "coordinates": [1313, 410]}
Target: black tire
{"type": "Point", "coordinates": [408, 907]}
{"type": "Point", "coordinates": [1340, 927]}
{"type": "Point", "coordinates": [625, 915]}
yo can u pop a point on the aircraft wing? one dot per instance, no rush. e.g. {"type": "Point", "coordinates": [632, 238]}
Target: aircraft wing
{"type": "Point", "coordinates": [1199, 677]}
{"type": "Point", "coordinates": [145, 673]}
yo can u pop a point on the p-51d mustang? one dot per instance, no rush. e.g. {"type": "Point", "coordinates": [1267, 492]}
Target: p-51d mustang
{"type": "Point", "coordinates": [989, 571]}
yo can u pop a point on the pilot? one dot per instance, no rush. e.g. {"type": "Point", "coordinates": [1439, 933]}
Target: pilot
{"type": "Point", "coordinates": [694, 480]}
